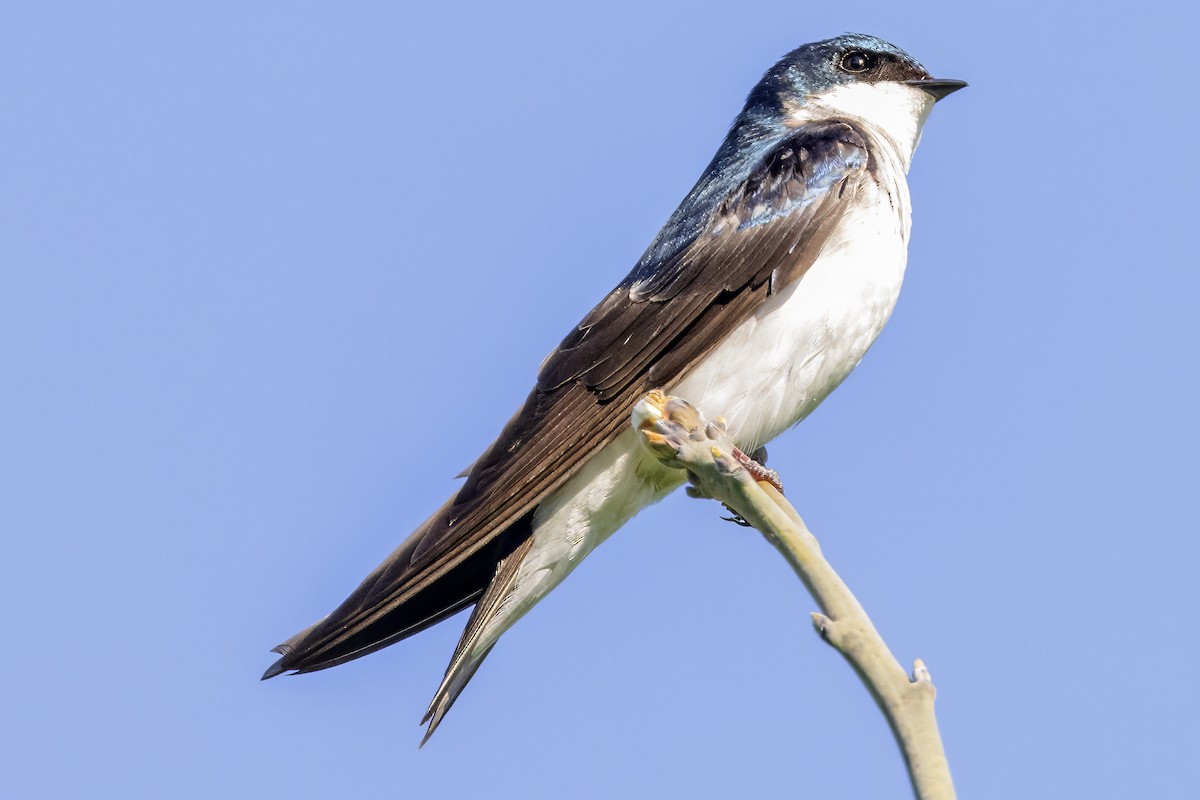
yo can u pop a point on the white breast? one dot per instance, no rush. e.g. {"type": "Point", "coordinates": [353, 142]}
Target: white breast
{"type": "Point", "coordinates": [779, 364]}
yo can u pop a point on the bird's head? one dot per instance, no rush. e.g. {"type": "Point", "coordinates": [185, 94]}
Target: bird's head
{"type": "Point", "coordinates": [854, 76]}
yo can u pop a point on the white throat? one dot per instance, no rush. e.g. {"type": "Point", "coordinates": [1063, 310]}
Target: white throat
{"type": "Point", "coordinates": [893, 112]}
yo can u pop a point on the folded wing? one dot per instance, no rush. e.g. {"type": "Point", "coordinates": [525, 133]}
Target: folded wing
{"type": "Point", "coordinates": [754, 223]}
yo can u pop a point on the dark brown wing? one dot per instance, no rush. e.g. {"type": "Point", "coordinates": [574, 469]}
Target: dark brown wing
{"type": "Point", "coordinates": [756, 221]}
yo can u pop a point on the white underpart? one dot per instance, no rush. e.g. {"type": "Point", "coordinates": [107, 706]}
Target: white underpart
{"type": "Point", "coordinates": [770, 372]}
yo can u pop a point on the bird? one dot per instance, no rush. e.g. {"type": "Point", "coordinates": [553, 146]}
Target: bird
{"type": "Point", "coordinates": [759, 295]}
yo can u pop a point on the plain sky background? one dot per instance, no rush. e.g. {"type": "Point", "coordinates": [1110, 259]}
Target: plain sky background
{"type": "Point", "coordinates": [272, 273]}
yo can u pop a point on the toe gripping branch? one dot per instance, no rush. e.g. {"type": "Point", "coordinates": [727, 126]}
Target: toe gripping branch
{"type": "Point", "coordinates": [668, 424]}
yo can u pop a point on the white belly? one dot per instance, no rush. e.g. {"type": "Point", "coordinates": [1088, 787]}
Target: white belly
{"type": "Point", "coordinates": [766, 376]}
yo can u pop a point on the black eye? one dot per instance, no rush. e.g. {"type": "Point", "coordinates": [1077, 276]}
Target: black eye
{"type": "Point", "coordinates": [857, 61]}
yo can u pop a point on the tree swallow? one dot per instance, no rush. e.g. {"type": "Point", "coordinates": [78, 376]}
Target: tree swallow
{"type": "Point", "coordinates": [757, 298]}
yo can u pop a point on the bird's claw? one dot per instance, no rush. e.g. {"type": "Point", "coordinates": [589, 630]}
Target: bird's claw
{"type": "Point", "coordinates": [736, 518]}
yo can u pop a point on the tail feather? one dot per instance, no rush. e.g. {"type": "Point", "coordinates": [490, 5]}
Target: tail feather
{"type": "Point", "coordinates": [473, 648]}
{"type": "Point", "coordinates": [382, 611]}
{"type": "Point", "coordinates": [461, 672]}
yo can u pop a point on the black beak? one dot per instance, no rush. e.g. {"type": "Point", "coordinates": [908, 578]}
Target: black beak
{"type": "Point", "coordinates": [936, 87]}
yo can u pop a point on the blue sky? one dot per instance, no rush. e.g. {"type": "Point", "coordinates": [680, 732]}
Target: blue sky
{"type": "Point", "coordinates": [274, 272]}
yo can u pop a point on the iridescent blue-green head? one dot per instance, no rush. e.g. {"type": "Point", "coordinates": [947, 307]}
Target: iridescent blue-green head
{"type": "Point", "coordinates": [855, 77]}
{"type": "Point", "coordinates": [815, 69]}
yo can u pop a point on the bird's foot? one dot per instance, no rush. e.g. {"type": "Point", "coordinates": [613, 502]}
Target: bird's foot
{"type": "Point", "coordinates": [673, 429]}
{"type": "Point", "coordinates": [677, 435]}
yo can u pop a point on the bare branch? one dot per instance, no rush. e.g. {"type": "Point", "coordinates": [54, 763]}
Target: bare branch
{"type": "Point", "coordinates": [678, 436]}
